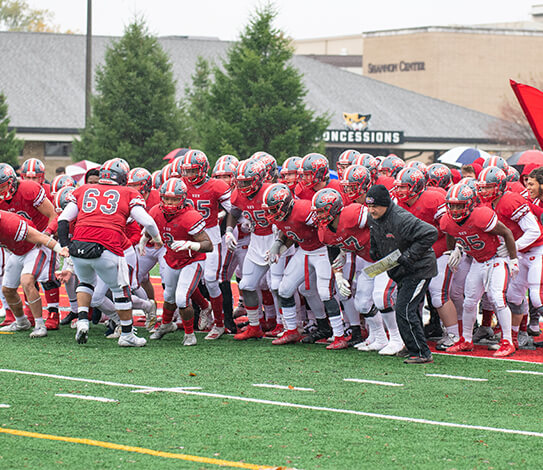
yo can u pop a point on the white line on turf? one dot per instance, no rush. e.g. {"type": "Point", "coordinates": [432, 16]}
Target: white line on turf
{"type": "Point", "coordinates": [457, 377]}
{"type": "Point", "coordinates": [376, 382]}
{"type": "Point", "coordinates": [292, 405]}
{"type": "Point", "coordinates": [86, 397]}
{"type": "Point", "coordinates": [172, 389]}
{"type": "Point", "coordinates": [530, 372]}
{"type": "Point", "coordinates": [3, 405]}
{"type": "Point", "coordinates": [284, 387]}
{"type": "Point", "coordinates": [484, 357]}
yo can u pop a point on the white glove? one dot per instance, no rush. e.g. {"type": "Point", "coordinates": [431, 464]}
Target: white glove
{"type": "Point", "coordinates": [230, 239]}
{"type": "Point", "coordinates": [502, 251]}
{"type": "Point", "coordinates": [455, 257]}
{"type": "Point", "coordinates": [181, 245]}
{"type": "Point", "coordinates": [340, 260]}
{"type": "Point", "coordinates": [343, 285]}
{"type": "Point", "coordinates": [247, 226]}
{"type": "Point", "coordinates": [513, 267]}
{"type": "Point", "coordinates": [141, 245]}
{"type": "Point", "coordinates": [221, 215]}
{"type": "Point", "coordinates": [275, 252]}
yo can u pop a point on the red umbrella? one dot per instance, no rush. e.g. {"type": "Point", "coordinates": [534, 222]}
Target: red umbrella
{"type": "Point", "coordinates": [175, 153]}
{"type": "Point", "coordinates": [531, 156]}
{"type": "Point", "coordinates": [77, 170]}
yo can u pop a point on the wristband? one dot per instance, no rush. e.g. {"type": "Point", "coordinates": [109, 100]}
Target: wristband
{"type": "Point", "coordinates": [57, 248]}
{"type": "Point", "coordinates": [195, 246]}
{"type": "Point", "coordinates": [229, 229]}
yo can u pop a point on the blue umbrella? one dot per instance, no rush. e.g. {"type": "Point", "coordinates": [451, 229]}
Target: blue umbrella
{"type": "Point", "coordinates": [459, 156]}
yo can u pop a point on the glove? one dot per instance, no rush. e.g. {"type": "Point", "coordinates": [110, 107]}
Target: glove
{"type": "Point", "coordinates": [343, 285]}
{"type": "Point", "coordinates": [247, 226]}
{"type": "Point", "coordinates": [513, 267]}
{"type": "Point", "coordinates": [455, 257]}
{"type": "Point", "coordinates": [230, 239]}
{"type": "Point", "coordinates": [275, 252]}
{"type": "Point", "coordinates": [502, 251]}
{"type": "Point", "coordinates": [339, 262]}
{"type": "Point", "coordinates": [221, 215]}
{"type": "Point", "coordinates": [141, 245]}
{"type": "Point", "coordinates": [181, 245]}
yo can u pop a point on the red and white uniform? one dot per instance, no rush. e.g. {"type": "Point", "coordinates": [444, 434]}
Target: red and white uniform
{"type": "Point", "coordinates": [519, 188]}
{"type": "Point", "coordinates": [182, 270]}
{"type": "Point", "coordinates": [387, 181]}
{"type": "Point", "coordinates": [28, 197]}
{"type": "Point", "coordinates": [303, 192]}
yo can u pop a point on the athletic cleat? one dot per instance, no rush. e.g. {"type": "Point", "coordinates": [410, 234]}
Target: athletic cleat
{"type": "Point", "coordinates": [419, 360]}
{"type": "Point", "coordinates": [447, 341]}
{"type": "Point", "coordinates": [433, 330]}
{"type": "Point", "coordinates": [39, 332]}
{"type": "Point", "coordinates": [163, 329]}
{"type": "Point", "coordinates": [150, 316]}
{"type": "Point", "coordinates": [205, 322]}
{"type": "Point", "coordinates": [392, 348]}
{"type": "Point", "coordinates": [131, 341]}
{"type": "Point", "coordinates": [215, 333]}
{"type": "Point", "coordinates": [53, 321]}
{"type": "Point", "coordinates": [534, 330]}
{"type": "Point", "coordinates": [339, 343]}
{"type": "Point", "coordinates": [484, 335]}
{"type": "Point", "coordinates": [524, 341]}
{"type": "Point", "coordinates": [403, 353]}
{"type": "Point", "coordinates": [460, 345]}
{"type": "Point", "coordinates": [373, 346]}
{"type": "Point", "coordinates": [24, 325]}
{"type": "Point", "coordinates": [189, 339]}
{"type": "Point", "coordinates": [268, 325]}
{"type": "Point", "coordinates": [317, 335]}
{"type": "Point", "coordinates": [275, 332]}
{"type": "Point", "coordinates": [506, 349]}
{"type": "Point", "coordinates": [82, 331]}
{"type": "Point", "coordinates": [9, 318]}
{"type": "Point", "coordinates": [309, 328]}
{"type": "Point", "coordinates": [250, 332]}
{"type": "Point", "coordinates": [115, 333]}
{"type": "Point", "coordinates": [288, 337]}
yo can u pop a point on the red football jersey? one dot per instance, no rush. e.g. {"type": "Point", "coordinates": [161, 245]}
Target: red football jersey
{"type": "Point", "coordinates": [183, 226]}
{"type": "Point", "coordinates": [510, 209]}
{"type": "Point", "coordinates": [430, 207]}
{"type": "Point", "coordinates": [14, 232]}
{"type": "Point", "coordinates": [206, 198]}
{"type": "Point", "coordinates": [103, 211]}
{"type": "Point", "coordinates": [27, 198]}
{"type": "Point", "coordinates": [152, 200]}
{"type": "Point", "coordinates": [303, 192]}
{"type": "Point", "coordinates": [133, 234]}
{"type": "Point", "coordinates": [352, 233]}
{"type": "Point", "coordinates": [251, 209]}
{"type": "Point", "coordinates": [47, 188]}
{"type": "Point", "coordinates": [299, 226]}
{"type": "Point", "coordinates": [473, 233]}
{"type": "Point", "coordinates": [519, 188]}
{"type": "Point", "coordinates": [387, 181]}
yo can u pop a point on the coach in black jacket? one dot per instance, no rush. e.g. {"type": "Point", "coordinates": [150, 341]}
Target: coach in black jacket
{"type": "Point", "coordinates": [392, 228]}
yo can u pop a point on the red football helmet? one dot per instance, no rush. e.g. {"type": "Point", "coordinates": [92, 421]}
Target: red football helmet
{"type": "Point", "coordinates": [491, 183]}
{"type": "Point", "coordinates": [62, 197]}
{"type": "Point", "coordinates": [356, 181]}
{"type": "Point", "coordinates": [34, 170]}
{"type": "Point", "coordinates": [370, 162]}
{"type": "Point", "coordinates": [391, 166]}
{"type": "Point", "coordinates": [496, 161]}
{"type": "Point", "coordinates": [345, 160]}
{"type": "Point", "coordinates": [512, 174]}
{"type": "Point", "coordinates": [409, 183]}
{"type": "Point", "coordinates": [269, 162]}
{"type": "Point", "coordinates": [327, 204]}
{"type": "Point", "coordinates": [439, 175]}
{"type": "Point", "coordinates": [60, 182]}
{"type": "Point", "coordinates": [314, 169]}
{"type": "Point", "coordinates": [173, 194]}
{"type": "Point", "coordinates": [225, 169]}
{"type": "Point", "coordinates": [289, 173]}
{"type": "Point", "coordinates": [140, 178]}
{"type": "Point", "coordinates": [8, 182]}
{"type": "Point", "coordinates": [460, 201]}
{"type": "Point", "coordinates": [114, 171]}
{"type": "Point", "coordinates": [156, 178]}
{"type": "Point", "coordinates": [419, 166]}
{"type": "Point", "coordinates": [250, 176]}
{"type": "Point", "coordinates": [195, 166]}
{"type": "Point", "coordinates": [277, 201]}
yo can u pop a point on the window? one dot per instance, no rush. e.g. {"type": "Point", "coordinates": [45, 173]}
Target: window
{"type": "Point", "coordinates": [58, 149]}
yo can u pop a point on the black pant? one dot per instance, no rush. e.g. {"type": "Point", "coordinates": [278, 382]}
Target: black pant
{"type": "Point", "coordinates": [410, 295]}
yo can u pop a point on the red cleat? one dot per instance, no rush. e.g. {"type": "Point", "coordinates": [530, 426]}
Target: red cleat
{"type": "Point", "coordinates": [339, 343]}
{"type": "Point", "coordinates": [460, 345]}
{"type": "Point", "coordinates": [9, 319]}
{"type": "Point", "coordinates": [290, 336]}
{"type": "Point", "coordinates": [275, 332]}
{"type": "Point", "coordinates": [506, 349]}
{"type": "Point", "coordinates": [52, 321]}
{"type": "Point", "coordinates": [250, 332]}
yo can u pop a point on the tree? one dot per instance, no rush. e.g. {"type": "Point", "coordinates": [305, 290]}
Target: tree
{"type": "Point", "coordinates": [10, 146]}
{"type": "Point", "coordinates": [135, 115]}
{"type": "Point", "coordinates": [16, 15]}
{"type": "Point", "coordinates": [256, 102]}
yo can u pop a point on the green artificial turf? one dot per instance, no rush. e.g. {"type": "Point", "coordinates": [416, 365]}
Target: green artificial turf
{"type": "Point", "coordinates": [257, 433]}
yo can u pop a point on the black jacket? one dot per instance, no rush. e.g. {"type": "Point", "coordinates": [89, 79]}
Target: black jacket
{"type": "Point", "coordinates": [399, 229]}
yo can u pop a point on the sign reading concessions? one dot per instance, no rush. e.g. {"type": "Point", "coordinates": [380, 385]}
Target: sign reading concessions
{"type": "Point", "coordinates": [397, 67]}
{"type": "Point", "coordinates": [341, 136]}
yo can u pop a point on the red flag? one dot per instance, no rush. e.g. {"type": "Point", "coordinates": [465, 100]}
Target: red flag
{"type": "Point", "coordinates": [531, 102]}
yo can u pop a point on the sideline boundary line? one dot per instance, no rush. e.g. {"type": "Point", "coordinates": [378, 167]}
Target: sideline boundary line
{"type": "Point", "coordinates": [292, 405]}
{"type": "Point", "coordinates": [503, 359]}
{"type": "Point", "coordinates": [139, 450]}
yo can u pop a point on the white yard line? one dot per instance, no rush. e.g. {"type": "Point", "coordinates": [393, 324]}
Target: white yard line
{"type": "Point", "coordinates": [483, 357]}
{"type": "Point", "coordinates": [284, 387]}
{"type": "Point", "coordinates": [530, 372]}
{"type": "Point", "coordinates": [86, 397]}
{"type": "Point", "coordinates": [291, 405]}
{"type": "Point", "coordinates": [172, 389]}
{"type": "Point", "coordinates": [3, 405]}
{"type": "Point", "coordinates": [457, 377]}
{"type": "Point", "coordinates": [375, 382]}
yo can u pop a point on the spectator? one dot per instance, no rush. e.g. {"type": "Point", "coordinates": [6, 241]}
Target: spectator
{"type": "Point", "coordinates": [92, 176]}
{"type": "Point", "coordinates": [60, 171]}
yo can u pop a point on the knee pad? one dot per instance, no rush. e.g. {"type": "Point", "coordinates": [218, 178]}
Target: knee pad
{"type": "Point", "coordinates": [250, 298]}
{"type": "Point", "coordinates": [85, 288]}
{"type": "Point", "coordinates": [287, 301]}
{"type": "Point", "coordinates": [50, 285]}
{"type": "Point", "coordinates": [373, 311]}
{"type": "Point", "coordinates": [332, 307]}
{"type": "Point", "coordinates": [122, 298]}
{"type": "Point", "coordinates": [516, 309]}
{"type": "Point", "coordinates": [213, 288]}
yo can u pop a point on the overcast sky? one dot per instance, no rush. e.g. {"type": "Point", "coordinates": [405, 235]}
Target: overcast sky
{"type": "Point", "coordinates": [299, 19]}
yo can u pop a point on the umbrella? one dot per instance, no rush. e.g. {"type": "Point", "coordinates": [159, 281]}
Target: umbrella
{"type": "Point", "coordinates": [333, 174]}
{"type": "Point", "coordinates": [175, 153]}
{"type": "Point", "coordinates": [78, 170]}
{"type": "Point", "coordinates": [525, 157]}
{"type": "Point", "coordinates": [459, 156]}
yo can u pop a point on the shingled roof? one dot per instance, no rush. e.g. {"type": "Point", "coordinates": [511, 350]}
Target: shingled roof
{"type": "Point", "coordinates": [43, 77]}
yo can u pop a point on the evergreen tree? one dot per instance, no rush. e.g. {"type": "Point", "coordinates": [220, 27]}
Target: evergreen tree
{"type": "Point", "coordinates": [256, 101]}
{"type": "Point", "coordinates": [10, 146]}
{"type": "Point", "coordinates": [135, 115]}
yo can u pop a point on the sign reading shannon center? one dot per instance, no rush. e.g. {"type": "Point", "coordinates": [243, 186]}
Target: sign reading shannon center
{"type": "Point", "coordinates": [397, 67]}
{"type": "Point", "coordinates": [342, 136]}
